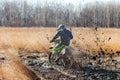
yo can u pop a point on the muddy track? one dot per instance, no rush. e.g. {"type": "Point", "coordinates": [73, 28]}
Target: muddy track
{"type": "Point", "coordinates": [39, 63]}
{"type": "Point", "coordinates": [54, 72]}
{"type": "Point", "coordinates": [59, 73]}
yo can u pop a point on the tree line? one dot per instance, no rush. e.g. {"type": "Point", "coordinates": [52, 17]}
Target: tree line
{"type": "Point", "coordinates": [20, 13]}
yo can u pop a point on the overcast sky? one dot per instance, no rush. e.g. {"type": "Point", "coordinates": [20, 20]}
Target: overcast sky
{"type": "Point", "coordinates": [75, 2]}
{"type": "Point", "coordinates": [62, 1]}
{"type": "Point", "coordinates": [69, 1]}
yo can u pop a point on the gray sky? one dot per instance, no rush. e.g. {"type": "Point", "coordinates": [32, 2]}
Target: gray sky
{"type": "Point", "coordinates": [69, 1]}
{"type": "Point", "coordinates": [61, 1]}
{"type": "Point", "coordinates": [75, 2]}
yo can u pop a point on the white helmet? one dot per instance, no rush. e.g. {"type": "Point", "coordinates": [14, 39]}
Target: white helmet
{"type": "Point", "coordinates": [61, 26]}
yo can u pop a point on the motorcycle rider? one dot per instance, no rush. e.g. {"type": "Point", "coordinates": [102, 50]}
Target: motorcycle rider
{"type": "Point", "coordinates": [64, 35]}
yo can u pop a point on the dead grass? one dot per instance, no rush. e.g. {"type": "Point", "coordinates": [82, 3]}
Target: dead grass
{"type": "Point", "coordinates": [92, 40]}
{"type": "Point", "coordinates": [37, 39]}
{"type": "Point", "coordinates": [24, 38]}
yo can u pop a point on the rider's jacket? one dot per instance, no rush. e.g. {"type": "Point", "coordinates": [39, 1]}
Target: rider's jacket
{"type": "Point", "coordinates": [65, 36]}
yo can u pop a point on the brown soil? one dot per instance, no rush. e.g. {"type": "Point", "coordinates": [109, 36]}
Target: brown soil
{"type": "Point", "coordinates": [40, 65]}
{"type": "Point", "coordinates": [11, 68]}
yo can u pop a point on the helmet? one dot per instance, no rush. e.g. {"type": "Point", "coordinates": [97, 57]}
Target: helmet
{"type": "Point", "coordinates": [61, 26]}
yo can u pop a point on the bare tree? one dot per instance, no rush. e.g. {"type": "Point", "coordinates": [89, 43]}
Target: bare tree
{"type": "Point", "coordinates": [21, 13]}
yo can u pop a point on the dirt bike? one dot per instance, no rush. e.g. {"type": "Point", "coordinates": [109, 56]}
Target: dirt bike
{"type": "Point", "coordinates": [64, 57]}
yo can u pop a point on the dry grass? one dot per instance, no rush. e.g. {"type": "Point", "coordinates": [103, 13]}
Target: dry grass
{"type": "Point", "coordinates": [37, 39]}
{"type": "Point", "coordinates": [92, 40]}
{"type": "Point", "coordinates": [24, 38]}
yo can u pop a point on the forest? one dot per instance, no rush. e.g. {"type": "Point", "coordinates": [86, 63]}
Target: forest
{"type": "Point", "coordinates": [50, 14]}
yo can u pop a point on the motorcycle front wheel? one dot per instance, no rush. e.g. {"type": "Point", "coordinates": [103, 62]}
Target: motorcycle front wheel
{"type": "Point", "coordinates": [51, 58]}
{"type": "Point", "coordinates": [62, 61]}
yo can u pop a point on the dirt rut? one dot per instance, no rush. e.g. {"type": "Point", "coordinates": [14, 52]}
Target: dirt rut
{"type": "Point", "coordinates": [11, 68]}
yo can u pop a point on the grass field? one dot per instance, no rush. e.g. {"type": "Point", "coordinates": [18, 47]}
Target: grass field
{"type": "Point", "coordinates": [37, 39]}
{"type": "Point", "coordinates": [34, 40]}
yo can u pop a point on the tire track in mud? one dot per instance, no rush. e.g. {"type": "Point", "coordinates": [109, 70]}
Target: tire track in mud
{"type": "Point", "coordinates": [67, 72]}
{"type": "Point", "coordinates": [53, 74]}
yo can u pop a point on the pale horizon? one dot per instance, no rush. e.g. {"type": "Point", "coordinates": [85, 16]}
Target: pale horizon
{"type": "Point", "coordinates": [74, 2]}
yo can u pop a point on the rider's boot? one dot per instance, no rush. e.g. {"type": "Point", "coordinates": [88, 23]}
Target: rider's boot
{"type": "Point", "coordinates": [59, 57]}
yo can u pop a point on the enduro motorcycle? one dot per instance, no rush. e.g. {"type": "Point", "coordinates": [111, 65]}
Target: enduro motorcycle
{"type": "Point", "coordinates": [63, 57]}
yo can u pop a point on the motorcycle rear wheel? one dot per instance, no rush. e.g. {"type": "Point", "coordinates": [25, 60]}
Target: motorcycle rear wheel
{"type": "Point", "coordinates": [63, 61]}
